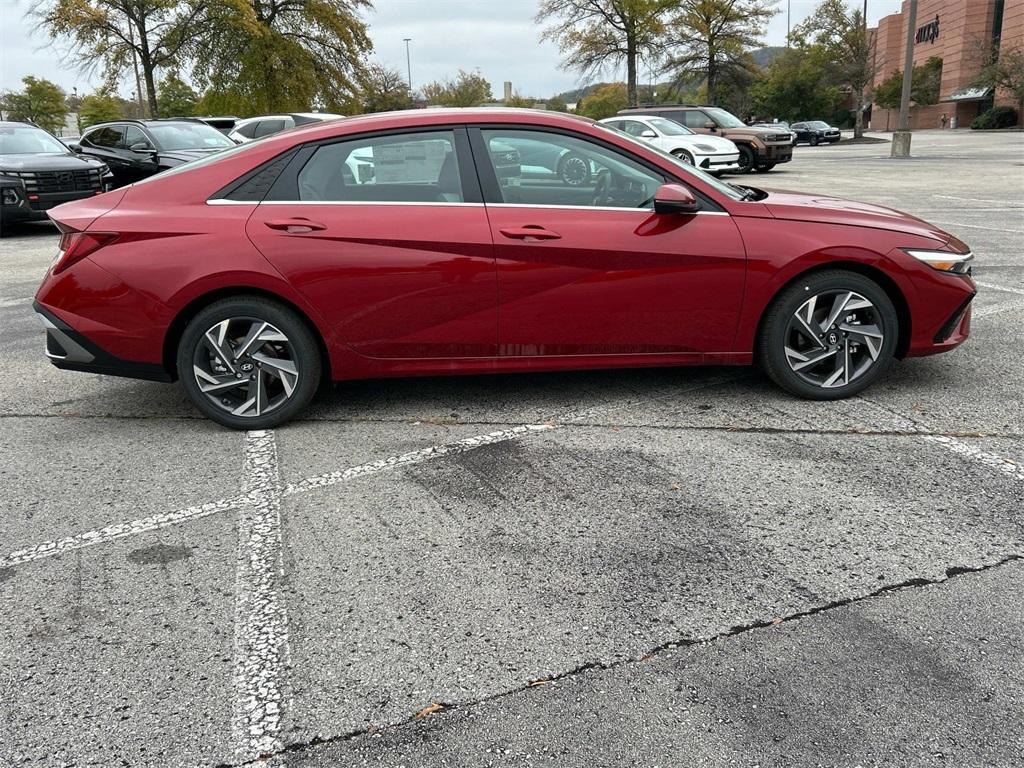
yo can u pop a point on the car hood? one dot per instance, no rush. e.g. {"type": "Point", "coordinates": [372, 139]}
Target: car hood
{"type": "Point", "coordinates": [720, 144]}
{"type": "Point", "coordinates": [837, 210]}
{"type": "Point", "coordinates": [68, 162]}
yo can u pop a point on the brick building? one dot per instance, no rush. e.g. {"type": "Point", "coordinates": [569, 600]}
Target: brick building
{"type": "Point", "coordinates": [957, 32]}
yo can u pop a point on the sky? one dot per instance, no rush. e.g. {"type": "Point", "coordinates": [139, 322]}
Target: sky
{"type": "Point", "coordinates": [498, 37]}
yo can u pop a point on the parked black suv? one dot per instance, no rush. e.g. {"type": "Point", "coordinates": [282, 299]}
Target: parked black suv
{"type": "Point", "coordinates": [38, 172]}
{"type": "Point", "coordinates": [815, 132]}
{"type": "Point", "coordinates": [760, 148]}
{"type": "Point", "coordinates": [137, 149]}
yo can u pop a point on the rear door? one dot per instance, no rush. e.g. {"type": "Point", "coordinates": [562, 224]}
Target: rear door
{"type": "Point", "coordinates": [386, 234]}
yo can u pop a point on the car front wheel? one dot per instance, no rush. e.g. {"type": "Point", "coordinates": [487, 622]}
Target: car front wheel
{"type": "Point", "coordinates": [746, 159]}
{"type": "Point", "coordinates": [248, 363]}
{"type": "Point", "coordinates": [683, 155]}
{"type": "Point", "coordinates": [829, 335]}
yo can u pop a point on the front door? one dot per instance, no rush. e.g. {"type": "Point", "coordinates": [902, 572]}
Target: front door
{"type": "Point", "coordinates": [387, 236]}
{"type": "Point", "coordinates": [590, 269]}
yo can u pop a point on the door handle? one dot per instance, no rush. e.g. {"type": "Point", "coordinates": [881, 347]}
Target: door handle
{"type": "Point", "coordinates": [296, 226]}
{"type": "Point", "coordinates": [530, 232]}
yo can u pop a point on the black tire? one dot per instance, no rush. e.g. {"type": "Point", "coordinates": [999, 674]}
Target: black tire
{"type": "Point", "coordinates": [814, 141]}
{"type": "Point", "coordinates": [746, 159]}
{"type": "Point", "coordinates": [574, 170]}
{"type": "Point", "coordinates": [775, 328]}
{"type": "Point", "coordinates": [766, 167]}
{"type": "Point", "coordinates": [683, 155]}
{"type": "Point", "coordinates": [302, 349]}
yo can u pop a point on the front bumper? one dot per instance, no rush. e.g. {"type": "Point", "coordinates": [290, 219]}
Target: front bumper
{"type": "Point", "coordinates": [774, 153]}
{"type": "Point", "coordinates": [718, 163]}
{"type": "Point", "coordinates": [17, 205]}
{"type": "Point", "coordinates": [70, 350]}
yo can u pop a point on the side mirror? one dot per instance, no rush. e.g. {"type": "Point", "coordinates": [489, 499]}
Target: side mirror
{"type": "Point", "coordinates": [675, 198]}
{"type": "Point", "coordinates": [141, 146]}
{"type": "Point", "coordinates": [648, 134]}
{"type": "Point", "coordinates": [710, 126]}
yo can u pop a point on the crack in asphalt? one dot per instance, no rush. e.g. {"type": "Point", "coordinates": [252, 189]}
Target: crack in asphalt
{"type": "Point", "coordinates": [596, 666]}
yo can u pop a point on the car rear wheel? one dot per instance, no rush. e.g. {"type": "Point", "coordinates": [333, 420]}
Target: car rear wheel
{"type": "Point", "coordinates": [746, 160]}
{"type": "Point", "coordinates": [683, 155]}
{"type": "Point", "coordinates": [829, 335]}
{"type": "Point", "coordinates": [248, 363]}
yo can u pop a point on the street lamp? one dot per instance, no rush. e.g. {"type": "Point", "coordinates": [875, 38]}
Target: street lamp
{"type": "Point", "coordinates": [408, 61]}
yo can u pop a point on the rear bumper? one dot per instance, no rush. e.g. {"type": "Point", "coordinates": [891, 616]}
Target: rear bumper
{"type": "Point", "coordinates": [71, 350]}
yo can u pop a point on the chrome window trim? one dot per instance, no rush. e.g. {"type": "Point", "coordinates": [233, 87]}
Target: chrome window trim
{"type": "Point", "coordinates": [223, 201]}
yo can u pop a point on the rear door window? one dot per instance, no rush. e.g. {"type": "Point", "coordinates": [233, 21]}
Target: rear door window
{"type": "Point", "coordinates": [402, 168]}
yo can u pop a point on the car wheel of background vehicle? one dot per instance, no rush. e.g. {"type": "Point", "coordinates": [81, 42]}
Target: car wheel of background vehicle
{"type": "Point", "coordinates": [746, 158]}
{"type": "Point", "coordinates": [829, 335]}
{"type": "Point", "coordinates": [574, 170]}
{"type": "Point", "coordinates": [248, 363]}
{"type": "Point", "coordinates": [765, 167]}
{"type": "Point", "coordinates": [683, 155]}
{"type": "Point", "coordinates": [814, 141]}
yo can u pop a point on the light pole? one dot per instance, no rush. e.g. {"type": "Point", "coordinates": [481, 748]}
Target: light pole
{"type": "Point", "coordinates": [408, 61]}
{"type": "Point", "coordinates": [901, 138]}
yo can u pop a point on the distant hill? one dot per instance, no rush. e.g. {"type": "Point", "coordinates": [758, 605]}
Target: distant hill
{"type": "Point", "coordinates": [763, 57]}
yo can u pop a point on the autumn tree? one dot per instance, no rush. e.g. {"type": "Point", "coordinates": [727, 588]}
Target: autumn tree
{"type": "Point", "coordinates": [1003, 69]}
{"type": "Point", "coordinates": [382, 89]}
{"type": "Point", "coordinates": [265, 56]}
{"type": "Point", "coordinates": [712, 39]}
{"type": "Point", "coordinates": [113, 34]}
{"type": "Point", "coordinates": [848, 58]}
{"type": "Point", "coordinates": [795, 86]}
{"type": "Point", "coordinates": [99, 107]}
{"type": "Point", "coordinates": [41, 102]}
{"type": "Point", "coordinates": [176, 98]}
{"type": "Point", "coordinates": [604, 101]}
{"type": "Point", "coordinates": [597, 35]}
{"type": "Point", "coordinates": [468, 89]}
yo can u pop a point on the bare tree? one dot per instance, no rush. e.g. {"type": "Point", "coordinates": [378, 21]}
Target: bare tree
{"type": "Point", "coordinates": [594, 35]}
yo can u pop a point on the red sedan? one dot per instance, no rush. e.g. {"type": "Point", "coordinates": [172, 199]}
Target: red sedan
{"type": "Point", "coordinates": [453, 241]}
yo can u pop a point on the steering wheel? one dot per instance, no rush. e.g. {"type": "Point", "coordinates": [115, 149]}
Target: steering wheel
{"type": "Point", "coordinates": [602, 187]}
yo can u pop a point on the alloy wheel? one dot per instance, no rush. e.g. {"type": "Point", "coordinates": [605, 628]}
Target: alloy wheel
{"type": "Point", "coordinates": [245, 366]}
{"type": "Point", "coordinates": [834, 338]}
{"type": "Point", "coordinates": [575, 171]}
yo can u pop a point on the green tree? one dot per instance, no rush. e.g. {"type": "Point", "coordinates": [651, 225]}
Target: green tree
{"type": "Point", "coordinates": [99, 107]}
{"type": "Point", "coordinates": [604, 101]}
{"type": "Point", "coordinates": [595, 35]}
{"type": "Point", "coordinates": [1003, 69]}
{"type": "Point", "coordinates": [557, 104]}
{"type": "Point", "coordinates": [795, 87]}
{"type": "Point", "coordinates": [176, 98]}
{"type": "Point", "coordinates": [924, 85]}
{"type": "Point", "coordinates": [848, 51]}
{"type": "Point", "coordinates": [382, 89]}
{"type": "Point", "coordinates": [468, 89]}
{"type": "Point", "coordinates": [281, 55]}
{"type": "Point", "coordinates": [114, 34]}
{"type": "Point", "coordinates": [42, 102]}
{"type": "Point", "coordinates": [713, 39]}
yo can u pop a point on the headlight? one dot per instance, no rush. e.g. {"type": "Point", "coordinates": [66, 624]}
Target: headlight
{"type": "Point", "coordinates": [104, 169]}
{"type": "Point", "coordinates": [944, 261]}
{"type": "Point", "coordinates": [704, 147]}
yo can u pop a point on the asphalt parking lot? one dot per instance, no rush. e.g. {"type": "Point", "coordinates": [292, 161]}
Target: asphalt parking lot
{"type": "Point", "coordinates": [635, 568]}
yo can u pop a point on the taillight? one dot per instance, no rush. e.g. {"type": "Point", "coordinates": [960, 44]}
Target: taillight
{"type": "Point", "coordinates": [75, 246]}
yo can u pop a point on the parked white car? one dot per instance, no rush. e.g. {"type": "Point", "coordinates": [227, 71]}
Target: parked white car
{"type": "Point", "coordinates": [265, 125]}
{"type": "Point", "coordinates": [711, 153]}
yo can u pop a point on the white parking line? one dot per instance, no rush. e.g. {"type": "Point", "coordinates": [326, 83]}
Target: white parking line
{"type": "Point", "coordinates": [975, 199]}
{"type": "Point", "coordinates": [1007, 289]}
{"type": "Point", "coordinates": [118, 531]}
{"type": "Point", "coordinates": [413, 457]}
{"type": "Point", "coordinates": [994, 309]}
{"type": "Point", "coordinates": [261, 653]}
{"type": "Point", "coordinates": [947, 223]}
{"type": "Point", "coordinates": [1004, 465]}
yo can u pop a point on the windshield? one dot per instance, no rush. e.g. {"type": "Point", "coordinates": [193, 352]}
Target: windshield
{"type": "Point", "coordinates": [669, 127]}
{"type": "Point", "coordinates": [171, 136]}
{"type": "Point", "coordinates": [724, 119]}
{"type": "Point", "coordinates": [682, 169]}
{"type": "Point", "coordinates": [819, 124]}
{"type": "Point", "coordinates": [28, 140]}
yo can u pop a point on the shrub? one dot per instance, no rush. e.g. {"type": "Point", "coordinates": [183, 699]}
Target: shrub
{"type": "Point", "coordinates": [997, 117]}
